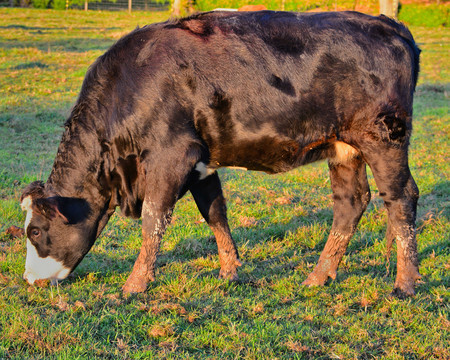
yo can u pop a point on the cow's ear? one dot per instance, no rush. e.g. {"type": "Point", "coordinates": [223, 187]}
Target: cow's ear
{"type": "Point", "coordinates": [33, 191]}
{"type": "Point", "coordinates": [49, 207]}
{"type": "Point", "coordinates": [70, 210]}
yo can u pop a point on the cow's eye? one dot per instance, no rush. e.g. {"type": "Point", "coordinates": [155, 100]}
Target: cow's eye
{"type": "Point", "coordinates": [35, 233]}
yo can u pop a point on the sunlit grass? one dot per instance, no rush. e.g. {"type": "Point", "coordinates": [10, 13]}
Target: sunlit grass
{"type": "Point", "coordinates": [280, 224]}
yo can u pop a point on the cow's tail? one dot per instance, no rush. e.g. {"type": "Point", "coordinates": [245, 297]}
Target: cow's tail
{"type": "Point", "coordinates": [406, 35]}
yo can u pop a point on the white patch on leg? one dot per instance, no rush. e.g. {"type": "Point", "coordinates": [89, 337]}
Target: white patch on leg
{"type": "Point", "coordinates": [343, 153]}
{"type": "Point", "coordinates": [204, 170]}
{"type": "Point", "coordinates": [37, 268]}
{"type": "Point", "coordinates": [147, 209]}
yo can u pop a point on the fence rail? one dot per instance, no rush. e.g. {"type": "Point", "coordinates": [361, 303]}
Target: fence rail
{"type": "Point", "coordinates": [107, 5]}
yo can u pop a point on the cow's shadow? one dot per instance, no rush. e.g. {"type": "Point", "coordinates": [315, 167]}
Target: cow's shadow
{"type": "Point", "coordinates": [276, 266]}
{"type": "Point", "coordinates": [103, 265]}
{"type": "Point", "coordinates": [255, 236]}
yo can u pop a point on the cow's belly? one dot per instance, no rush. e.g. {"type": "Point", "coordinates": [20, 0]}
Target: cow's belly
{"type": "Point", "coordinates": [273, 156]}
{"type": "Point", "coordinates": [269, 154]}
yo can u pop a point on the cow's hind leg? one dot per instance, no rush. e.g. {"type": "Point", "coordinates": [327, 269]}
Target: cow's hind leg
{"type": "Point", "coordinates": [400, 194]}
{"type": "Point", "coordinates": [211, 203]}
{"type": "Point", "coordinates": [351, 195]}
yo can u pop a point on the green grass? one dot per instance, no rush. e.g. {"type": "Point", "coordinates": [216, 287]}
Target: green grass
{"type": "Point", "coordinates": [280, 224]}
{"type": "Point", "coordinates": [430, 15]}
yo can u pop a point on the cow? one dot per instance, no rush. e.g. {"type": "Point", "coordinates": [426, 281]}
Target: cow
{"type": "Point", "coordinates": [170, 103]}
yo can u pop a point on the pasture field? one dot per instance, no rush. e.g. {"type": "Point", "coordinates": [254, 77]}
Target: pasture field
{"type": "Point", "coordinates": [280, 224]}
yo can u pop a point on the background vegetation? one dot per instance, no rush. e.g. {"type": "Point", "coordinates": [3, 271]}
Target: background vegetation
{"type": "Point", "coordinates": [280, 224]}
{"type": "Point", "coordinates": [415, 12]}
{"type": "Point", "coordinates": [289, 5]}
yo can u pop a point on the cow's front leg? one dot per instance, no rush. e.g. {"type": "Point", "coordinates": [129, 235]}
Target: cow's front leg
{"type": "Point", "coordinates": [211, 203]}
{"type": "Point", "coordinates": [166, 181]}
{"type": "Point", "coordinates": [154, 223]}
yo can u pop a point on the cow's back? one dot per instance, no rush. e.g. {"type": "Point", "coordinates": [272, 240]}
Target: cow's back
{"type": "Point", "coordinates": [263, 90]}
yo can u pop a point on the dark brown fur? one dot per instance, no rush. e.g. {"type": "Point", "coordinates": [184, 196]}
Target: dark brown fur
{"type": "Point", "coordinates": [265, 90]}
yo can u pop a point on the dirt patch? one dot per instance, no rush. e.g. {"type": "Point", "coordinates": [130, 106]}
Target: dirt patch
{"type": "Point", "coordinates": [14, 232]}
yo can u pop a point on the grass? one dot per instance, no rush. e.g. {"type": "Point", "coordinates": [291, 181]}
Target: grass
{"type": "Point", "coordinates": [428, 14]}
{"type": "Point", "coordinates": [280, 224]}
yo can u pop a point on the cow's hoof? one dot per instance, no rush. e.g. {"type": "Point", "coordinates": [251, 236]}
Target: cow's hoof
{"type": "Point", "coordinates": [403, 290]}
{"type": "Point", "coordinates": [230, 275]}
{"type": "Point", "coordinates": [401, 294]}
{"type": "Point", "coordinates": [404, 283]}
{"type": "Point", "coordinates": [134, 286]}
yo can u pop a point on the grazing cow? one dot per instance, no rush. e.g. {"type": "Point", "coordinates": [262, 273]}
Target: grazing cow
{"type": "Point", "coordinates": [170, 103]}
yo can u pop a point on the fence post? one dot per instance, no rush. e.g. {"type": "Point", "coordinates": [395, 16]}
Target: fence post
{"type": "Point", "coordinates": [129, 6]}
{"type": "Point", "coordinates": [389, 8]}
{"type": "Point", "coordinates": [176, 8]}
{"type": "Point", "coordinates": [86, 5]}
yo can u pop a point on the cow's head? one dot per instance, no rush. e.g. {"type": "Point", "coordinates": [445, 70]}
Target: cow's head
{"type": "Point", "coordinates": [58, 233]}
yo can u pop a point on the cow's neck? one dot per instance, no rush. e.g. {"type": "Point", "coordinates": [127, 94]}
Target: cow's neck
{"type": "Point", "coordinates": [78, 168]}
{"type": "Point", "coordinates": [78, 172]}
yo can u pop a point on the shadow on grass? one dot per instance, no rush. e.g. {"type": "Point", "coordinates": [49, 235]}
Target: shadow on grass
{"type": "Point", "coordinates": [25, 27]}
{"type": "Point", "coordinates": [440, 248]}
{"type": "Point", "coordinates": [68, 45]}
{"type": "Point", "coordinates": [189, 249]}
{"type": "Point", "coordinates": [30, 65]}
{"type": "Point", "coordinates": [103, 265]}
{"type": "Point", "coordinates": [437, 199]}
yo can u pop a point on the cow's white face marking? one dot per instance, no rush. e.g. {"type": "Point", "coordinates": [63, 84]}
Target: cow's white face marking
{"type": "Point", "coordinates": [204, 170]}
{"type": "Point", "coordinates": [26, 206]}
{"type": "Point", "coordinates": [42, 268]}
{"type": "Point", "coordinates": [36, 267]}
{"type": "Point", "coordinates": [26, 203]}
